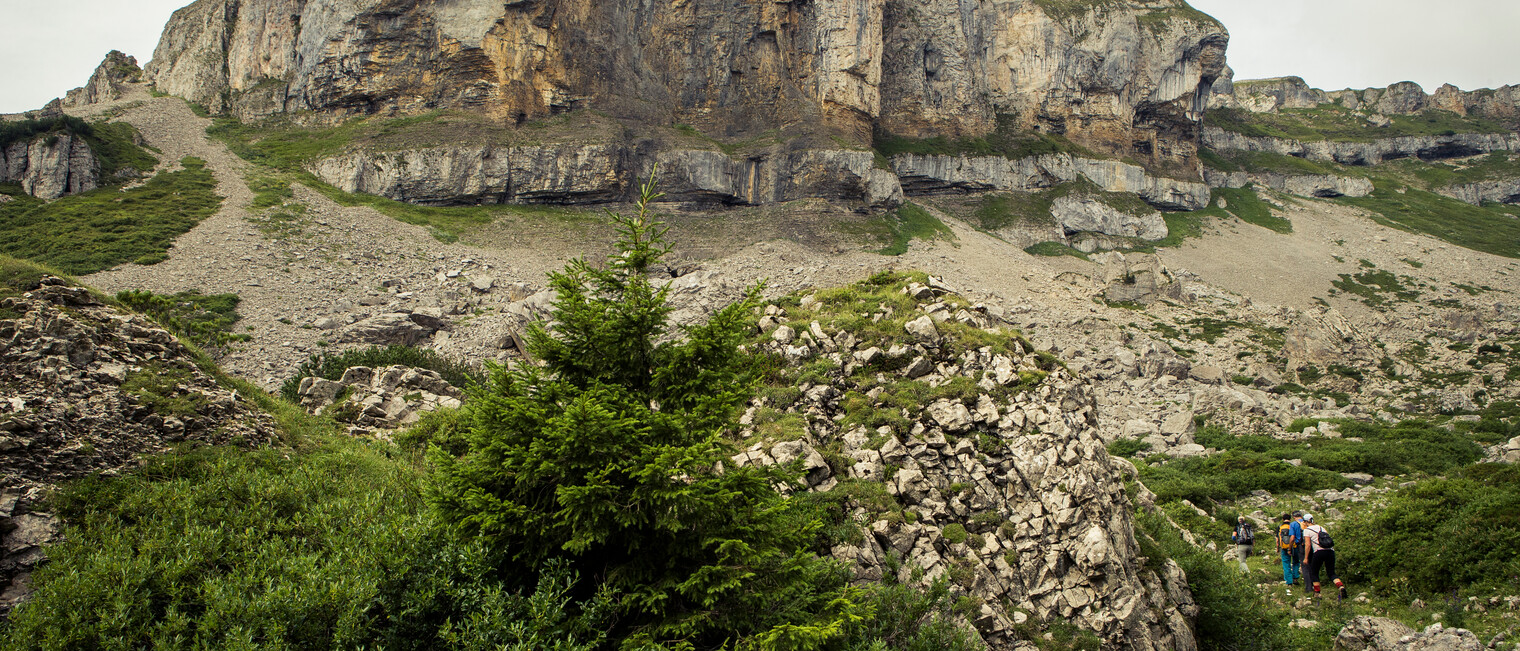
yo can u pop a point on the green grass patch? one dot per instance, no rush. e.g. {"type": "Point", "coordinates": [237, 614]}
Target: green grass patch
{"type": "Point", "coordinates": [911, 222]}
{"type": "Point", "coordinates": [1054, 250]}
{"type": "Point", "coordinates": [97, 230]}
{"type": "Point", "coordinates": [204, 320]}
{"type": "Point", "coordinates": [1006, 140]}
{"type": "Point", "coordinates": [1377, 288]}
{"type": "Point", "coordinates": [1481, 228]}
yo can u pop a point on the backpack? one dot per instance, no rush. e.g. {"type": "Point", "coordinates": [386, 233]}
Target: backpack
{"type": "Point", "coordinates": [1324, 540]}
{"type": "Point", "coordinates": [1247, 534]}
{"type": "Point", "coordinates": [1285, 537]}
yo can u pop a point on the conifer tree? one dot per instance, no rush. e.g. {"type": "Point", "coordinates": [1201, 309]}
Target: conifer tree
{"type": "Point", "coordinates": [610, 455]}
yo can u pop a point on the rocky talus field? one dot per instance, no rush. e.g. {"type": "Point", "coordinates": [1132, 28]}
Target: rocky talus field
{"type": "Point", "coordinates": [1024, 341]}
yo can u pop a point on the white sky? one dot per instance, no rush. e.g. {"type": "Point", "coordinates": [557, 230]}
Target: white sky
{"type": "Point", "coordinates": [51, 46]}
{"type": "Point", "coordinates": [1335, 44]}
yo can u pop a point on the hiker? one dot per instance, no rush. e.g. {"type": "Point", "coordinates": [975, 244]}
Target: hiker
{"type": "Point", "coordinates": [1321, 548]}
{"type": "Point", "coordinates": [1287, 550]}
{"type": "Point", "coordinates": [1301, 551]}
{"type": "Point", "coordinates": [1245, 541]}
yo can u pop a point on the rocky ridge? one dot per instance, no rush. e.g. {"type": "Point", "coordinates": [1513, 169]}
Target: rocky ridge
{"type": "Point", "coordinates": [91, 390]}
{"type": "Point", "coordinates": [1428, 148]}
{"type": "Point", "coordinates": [1403, 98]}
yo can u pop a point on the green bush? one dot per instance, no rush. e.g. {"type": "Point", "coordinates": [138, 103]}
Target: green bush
{"type": "Point", "coordinates": [1409, 446]}
{"type": "Point", "coordinates": [228, 548]}
{"type": "Point", "coordinates": [607, 457]}
{"type": "Point", "coordinates": [1127, 447]}
{"type": "Point", "coordinates": [1231, 474]}
{"type": "Point", "coordinates": [330, 366]}
{"type": "Point", "coordinates": [1440, 534]}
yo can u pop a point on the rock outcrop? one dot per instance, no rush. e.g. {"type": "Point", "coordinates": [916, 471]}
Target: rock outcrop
{"type": "Point", "coordinates": [106, 84]}
{"type": "Point", "coordinates": [1009, 495]}
{"type": "Point", "coordinates": [1366, 153]}
{"type": "Point", "coordinates": [1079, 213]}
{"type": "Point", "coordinates": [372, 399]}
{"type": "Point", "coordinates": [1124, 80]}
{"type": "Point", "coordinates": [1365, 633]}
{"type": "Point", "coordinates": [50, 165]}
{"type": "Point", "coordinates": [92, 390]}
{"type": "Point", "coordinates": [1303, 185]}
{"type": "Point", "coordinates": [605, 172]}
{"type": "Point", "coordinates": [1477, 194]}
{"type": "Point", "coordinates": [927, 174]}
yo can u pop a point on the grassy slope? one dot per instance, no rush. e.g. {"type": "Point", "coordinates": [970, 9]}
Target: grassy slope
{"type": "Point", "coordinates": [97, 230]}
{"type": "Point", "coordinates": [1404, 196]}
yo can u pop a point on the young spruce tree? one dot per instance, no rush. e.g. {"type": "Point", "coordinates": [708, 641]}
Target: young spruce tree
{"type": "Point", "coordinates": [610, 456]}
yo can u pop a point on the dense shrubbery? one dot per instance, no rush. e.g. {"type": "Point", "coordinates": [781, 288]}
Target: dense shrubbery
{"type": "Point", "coordinates": [1231, 474]}
{"type": "Point", "coordinates": [330, 366]}
{"type": "Point", "coordinates": [236, 549]}
{"type": "Point", "coordinates": [1441, 534]}
{"type": "Point", "coordinates": [1255, 462]}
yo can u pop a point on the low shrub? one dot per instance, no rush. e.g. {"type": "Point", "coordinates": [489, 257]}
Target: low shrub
{"type": "Point", "coordinates": [330, 366]}
{"type": "Point", "coordinates": [1440, 534]}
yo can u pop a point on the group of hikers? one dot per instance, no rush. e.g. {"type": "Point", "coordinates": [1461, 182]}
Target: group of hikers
{"type": "Point", "coordinates": [1304, 547]}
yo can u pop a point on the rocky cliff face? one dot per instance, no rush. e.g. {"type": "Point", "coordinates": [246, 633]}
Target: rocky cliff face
{"type": "Point", "coordinates": [106, 84]}
{"type": "Point", "coordinates": [50, 166]}
{"type": "Point", "coordinates": [1126, 79]}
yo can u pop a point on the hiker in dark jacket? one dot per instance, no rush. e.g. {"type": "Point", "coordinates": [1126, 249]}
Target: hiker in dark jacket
{"type": "Point", "coordinates": [1321, 551]}
{"type": "Point", "coordinates": [1245, 541]}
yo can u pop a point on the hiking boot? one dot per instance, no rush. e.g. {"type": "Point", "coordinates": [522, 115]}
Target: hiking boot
{"type": "Point", "coordinates": [1342, 589]}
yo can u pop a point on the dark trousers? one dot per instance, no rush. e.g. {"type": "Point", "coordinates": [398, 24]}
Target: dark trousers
{"type": "Point", "coordinates": [1321, 558]}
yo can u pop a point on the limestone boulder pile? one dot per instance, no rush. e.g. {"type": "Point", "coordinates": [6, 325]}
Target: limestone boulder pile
{"type": "Point", "coordinates": [1005, 490]}
{"type": "Point", "coordinates": [371, 399]}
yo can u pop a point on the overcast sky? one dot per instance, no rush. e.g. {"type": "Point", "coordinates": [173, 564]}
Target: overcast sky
{"type": "Point", "coordinates": [51, 46]}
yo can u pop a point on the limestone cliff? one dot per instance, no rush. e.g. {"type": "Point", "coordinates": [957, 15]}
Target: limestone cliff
{"type": "Point", "coordinates": [51, 165]}
{"type": "Point", "coordinates": [1124, 79]}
